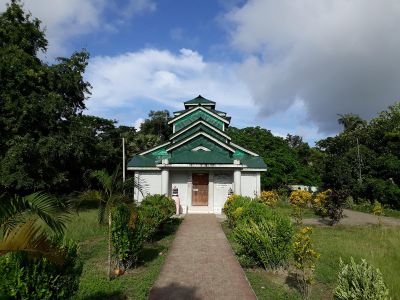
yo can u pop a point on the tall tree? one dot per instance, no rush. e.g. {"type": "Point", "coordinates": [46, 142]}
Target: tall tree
{"type": "Point", "coordinates": [350, 121]}
{"type": "Point", "coordinates": [157, 124]}
{"type": "Point", "coordinates": [372, 148]}
{"type": "Point", "coordinates": [38, 104]}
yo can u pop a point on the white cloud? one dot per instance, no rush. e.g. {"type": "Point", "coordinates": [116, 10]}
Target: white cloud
{"type": "Point", "coordinates": [137, 124]}
{"type": "Point", "coordinates": [139, 6]}
{"type": "Point", "coordinates": [336, 56]}
{"type": "Point", "coordinates": [127, 86]}
{"type": "Point", "coordinates": [64, 19]}
{"type": "Point", "coordinates": [67, 19]}
{"type": "Point", "coordinates": [136, 77]}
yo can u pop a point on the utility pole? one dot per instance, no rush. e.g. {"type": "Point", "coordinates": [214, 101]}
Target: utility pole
{"type": "Point", "coordinates": [123, 159]}
{"type": "Point", "coordinates": [359, 161]}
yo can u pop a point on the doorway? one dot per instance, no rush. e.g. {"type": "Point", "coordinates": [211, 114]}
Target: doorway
{"type": "Point", "coordinates": [200, 189]}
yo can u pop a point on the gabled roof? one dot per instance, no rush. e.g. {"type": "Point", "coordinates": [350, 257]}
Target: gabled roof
{"type": "Point", "coordinates": [198, 139]}
{"type": "Point", "coordinates": [199, 100]}
{"type": "Point", "coordinates": [220, 113]}
{"type": "Point", "coordinates": [154, 148]}
{"type": "Point", "coordinates": [183, 130]}
{"type": "Point", "coordinates": [244, 149]}
{"type": "Point", "coordinates": [200, 157]}
{"type": "Point", "coordinates": [189, 111]}
{"type": "Point", "coordinates": [224, 145]}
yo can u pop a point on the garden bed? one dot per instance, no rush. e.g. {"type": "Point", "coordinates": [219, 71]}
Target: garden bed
{"type": "Point", "coordinates": [379, 245]}
{"type": "Point", "coordinates": [135, 283]}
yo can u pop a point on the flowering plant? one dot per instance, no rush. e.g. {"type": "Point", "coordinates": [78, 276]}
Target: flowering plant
{"type": "Point", "coordinates": [298, 201]}
{"type": "Point", "coordinates": [319, 202]}
{"type": "Point", "coordinates": [270, 198]}
{"type": "Point", "coordinates": [305, 258]}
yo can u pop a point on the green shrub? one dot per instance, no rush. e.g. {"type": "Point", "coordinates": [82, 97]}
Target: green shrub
{"type": "Point", "coordinates": [360, 281]}
{"type": "Point", "coordinates": [127, 235]}
{"type": "Point", "coordinates": [21, 277]}
{"type": "Point", "coordinates": [385, 190]}
{"type": "Point", "coordinates": [334, 206]}
{"type": "Point", "coordinates": [234, 207]}
{"type": "Point", "coordinates": [154, 211]}
{"type": "Point", "coordinates": [253, 210]}
{"type": "Point", "coordinates": [268, 240]}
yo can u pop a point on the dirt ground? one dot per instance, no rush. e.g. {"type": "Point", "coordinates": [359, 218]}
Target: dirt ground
{"type": "Point", "coordinates": [354, 218]}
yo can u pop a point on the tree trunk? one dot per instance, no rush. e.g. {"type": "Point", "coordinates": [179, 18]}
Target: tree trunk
{"type": "Point", "coordinates": [109, 245]}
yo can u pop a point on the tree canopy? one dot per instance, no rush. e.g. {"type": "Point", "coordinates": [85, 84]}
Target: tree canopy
{"type": "Point", "coordinates": [372, 150]}
{"type": "Point", "coordinates": [287, 162]}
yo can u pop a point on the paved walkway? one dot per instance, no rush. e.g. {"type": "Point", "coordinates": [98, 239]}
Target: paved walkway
{"type": "Point", "coordinates": [352, 217]}
{"type": "Point", "coordinates": [201, 265]}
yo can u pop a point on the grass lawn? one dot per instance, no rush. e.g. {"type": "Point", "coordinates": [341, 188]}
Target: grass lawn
{"type": "Point", "coordinates": [284, 208]}
{"type": "Point", "coordinates": [135, 283]}
{"type": "Point", "coordinates": [379, 246]}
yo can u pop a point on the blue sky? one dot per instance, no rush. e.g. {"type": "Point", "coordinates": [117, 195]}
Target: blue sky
{"type": "Point", "coordinates": [289, 66]}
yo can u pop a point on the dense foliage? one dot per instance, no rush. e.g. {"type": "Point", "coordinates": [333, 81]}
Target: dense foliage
{"type": "Point", "coordinates": [22, 278]}
{"type": "Point", "coordinates": [268, 240]}
{"type": "Point", "coordinates": [289, 161]}
{"type": "Point", "coordinates": [46, 142]}
{"type": "Point", "coordinates": [127, 235]}
{"type": "Point", "coordinates": [364, 159]}
{"type": "Point", "coordinates": [154, 211]}
{"type": "Point", "coordinates": [360, 281]}
{"type": "Point", "coordinates": [133, 225]}
{"type": "Point", "coordinates": [265, 236]}
{"type": "Point", "coordinates": [39, 102]}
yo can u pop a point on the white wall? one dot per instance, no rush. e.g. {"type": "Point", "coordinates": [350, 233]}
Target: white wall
{"type": "Point", "coordinates": [250, 185]}
{"type": "Point", "coordinates": [180, 180]}
{"type": "Point", "coordinates": [222, 183]}
{"type": "Point", "coordinates": [219, 184]}
{"type": "Point", "coordinates": [150, 182]}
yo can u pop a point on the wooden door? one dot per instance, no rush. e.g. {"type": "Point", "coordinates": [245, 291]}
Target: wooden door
{"type": "Point", "coordinates": [200, 189]}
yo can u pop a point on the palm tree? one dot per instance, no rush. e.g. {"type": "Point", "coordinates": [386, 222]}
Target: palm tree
{"type": "Point", "coordinates": [113, 191]}
{"type": "Point", "coordinates": [350, 121]}
{"type": "Point", "coordinates": [24, 222]}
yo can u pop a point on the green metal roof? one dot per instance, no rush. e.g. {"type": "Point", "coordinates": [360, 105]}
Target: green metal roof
{"type": "Point", "coordinates": [221, 151]}
{"type": "Point", "coordinates": [143, 161]}
{"type": "Point", "coordinates": [200, 157]}
{"type": "Point", "coordinates": [199, 100]}
{"type": "Point", "coordinates": [194, 115]}
{"type": "Point", "coordinates": [253, 162]}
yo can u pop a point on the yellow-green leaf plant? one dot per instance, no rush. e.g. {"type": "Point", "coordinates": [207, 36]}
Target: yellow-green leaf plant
{"type": "Point", "coordinates": [305, 258]}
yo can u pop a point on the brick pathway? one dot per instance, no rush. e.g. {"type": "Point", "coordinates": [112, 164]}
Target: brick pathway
{"type": "Point", "coordinates": [201, 265]}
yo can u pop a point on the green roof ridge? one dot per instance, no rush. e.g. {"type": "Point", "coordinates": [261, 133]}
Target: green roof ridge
{"type": "Point", "coordinates": [199, 100]}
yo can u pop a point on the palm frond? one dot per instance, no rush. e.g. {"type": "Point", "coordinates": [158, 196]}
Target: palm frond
{"type": "Point", "coordinates": [131, 183]}
{"type": "Point", "coordinates": [117, 180]}
{"type": "Point", "coordinates": [37, 205]}
{"type": "Point", "coordinates": [49, 210]}
{"type": "Point", "coordinates": [30, 238]}
{"type": "Point", "coordinates": [106, 181]}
